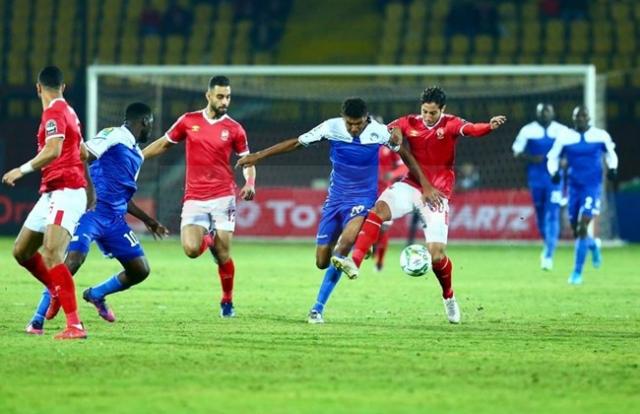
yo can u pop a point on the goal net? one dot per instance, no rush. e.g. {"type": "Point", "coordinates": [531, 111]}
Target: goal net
{"type": "Point", "coordinates": [278, 102]}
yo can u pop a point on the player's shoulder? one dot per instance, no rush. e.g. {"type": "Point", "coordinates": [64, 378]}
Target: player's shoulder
{"type": "Point", "coordinates": [597, 134]}
{"type": "Point", "coordinates": [231, 123]}
{"type": "Point", "coordinates": [555, 128]}
{"type": "Point", "coordinates": [116, 135]}
{"type": "Point", "coordinates": [452, 118]}
{"type": "Point", "coordinates": [568, 136]}
{"type": "Point", "coordinates": [532, 127]}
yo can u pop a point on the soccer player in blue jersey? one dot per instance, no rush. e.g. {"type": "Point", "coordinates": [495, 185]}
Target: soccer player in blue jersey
{"type": "Point", "coordinates": [354, 140]}
{"type": "Point", "coordinates": [583, 148]}
{"type": "Point", "coordinates": [115, 162]}
{"type": "Point", "coordinates": [532, 145]}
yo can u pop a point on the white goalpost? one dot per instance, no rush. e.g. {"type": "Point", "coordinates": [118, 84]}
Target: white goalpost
{"type": "Point", "coordinates": [276, 102]}
{"type": "Point", "coordinates": [587, 73]}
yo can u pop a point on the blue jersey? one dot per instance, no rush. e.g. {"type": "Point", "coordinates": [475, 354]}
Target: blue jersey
{"type": "Point", "coordinates": [354, 160]}
{"type": "Point", "coordinates": [583, 152]}
{"type": "Point", "coordinates": [115, 171]}
{"type": "Point", "coordinates": [534, 139]}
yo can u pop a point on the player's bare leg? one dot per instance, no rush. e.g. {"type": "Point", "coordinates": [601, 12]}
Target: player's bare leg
{"type": "Point", "coordinates": [192, 237]}
{"type": "Point", "coordinates": [55, 242]}
{"type": "Point", "coordinates": [442, 267]}
{"type": "Point", "coordinates": [366, 237]}
{"type": "Point", "coordinates": [135, 271]}
{"type": "Point", "coordinates": [581, 248]}
{"type": "Point", "coordinates": [323, 253]}
{"type": "Point", "coordinates": [25, 251]}
{"type": "Point", "coordinates": [221, 251]}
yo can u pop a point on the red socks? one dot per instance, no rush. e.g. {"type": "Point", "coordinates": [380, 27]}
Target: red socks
{"type": "Point", "coordinates": [368, 235]}
{"type": "Point", "coordinates": [37, 268]}
{"type": "Point", "coordinates": [226, 271]}
{"type": "Point", "coordinates": [66, 290]}
{"type": "Point", "coordinates": [381, 248]}
{"type": "Point", "coordinates": [442, 269]}
{"type": "Point", "coordinates": [207, 241]}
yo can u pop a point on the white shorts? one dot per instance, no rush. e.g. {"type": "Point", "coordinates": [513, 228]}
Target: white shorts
{"type": "Point", "coordinates": [62, 207]}
{"type": "Point", "coordinates": [403, 199]}
{"type": "Point", "coordinates": [215, 214]}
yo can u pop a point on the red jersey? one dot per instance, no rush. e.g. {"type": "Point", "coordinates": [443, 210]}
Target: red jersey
{"type": "Point", "coordinates": [434, 147]}
{"type": "Point", "coordinates": [59, 120]}
{"type": "Point", "coordinates": [390, 168]}
{"type": "Point", "coordinates": [208, 149]}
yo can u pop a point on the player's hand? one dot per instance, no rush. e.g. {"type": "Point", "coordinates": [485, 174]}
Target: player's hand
{"type": "Point", "coordinates": [248, 160]}
{"type": "Point", "coordinates": [157, 230]}
{"type": "Point", "coordinates": [555, 178]}
{"type": "Point", "coordinates": [11, 177]}
{"type": "Point", "coordinates": [432, 197]}
{"type": "Point", "coordinates": [395, 140]}
{"type": "Point", "coordinates": [248, 192]}
{"type": "Point", "coordinates": [496, 121]}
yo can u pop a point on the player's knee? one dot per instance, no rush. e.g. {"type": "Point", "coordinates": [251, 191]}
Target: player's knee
{"type": "Point", "coordinates": [139, 275]}
{"type": "Point", "coordinates": [322, 262]}
{"type": "Point", "coordinates": [19, 254]}
{"type": "Point", "coordinates": [192, 251]}
{"type": "Point", "coordinates": [381, 209]}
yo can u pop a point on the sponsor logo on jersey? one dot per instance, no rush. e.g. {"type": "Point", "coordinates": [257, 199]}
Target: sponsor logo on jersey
{"type": "Point", "coordinates": [224, 135]}
{"type": "Point", "coordinates": [440, 133]}
{"type": "Point", "coordinates": [195, 128]}
{"type": "Point", "coordinates": [414, 133]}
{"type": "Point", "coordinates": [50, 128]}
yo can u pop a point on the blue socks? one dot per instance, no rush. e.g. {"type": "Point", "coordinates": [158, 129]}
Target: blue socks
{"type": "Point", "coordinates": [41, 310]}
{"type": "Point", "coordinates": [552, 231]}
{"type": "Point", "coordinates": [109, 286]}
{"type": "Point", "coordinates": [331, 278]}
{"type": "Point", "coordinates": [582, 246]}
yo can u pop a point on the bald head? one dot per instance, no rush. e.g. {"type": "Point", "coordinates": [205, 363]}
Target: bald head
{"type": "Point", "coordinates": [581, 118]}
{"type": "Point", "coordinates": [545, 114]}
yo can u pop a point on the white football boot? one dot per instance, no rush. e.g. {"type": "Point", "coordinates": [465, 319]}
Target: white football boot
{"type": "Point", "coordinates": [452, 310]}
{"type": "Point", "coordinates": [345, 264]}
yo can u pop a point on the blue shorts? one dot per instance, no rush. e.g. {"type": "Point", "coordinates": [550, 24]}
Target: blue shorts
{"type": "Point", "coordinates": [112, 234]}
{"type": "Point", "coordinates": [336, 215]}
{"type": "Point", "coordinates": [547, 194]}
{"type": "Point", "coordinates": [584, 202]}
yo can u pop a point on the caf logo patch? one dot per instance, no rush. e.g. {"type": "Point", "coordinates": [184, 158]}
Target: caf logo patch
{"type": "Point", "coordinates": [50, 127]}
{"type": "Point", "coordinates": [224, 135]}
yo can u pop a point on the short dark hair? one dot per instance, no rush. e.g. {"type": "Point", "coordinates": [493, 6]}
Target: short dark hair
{"type": "Point", "coordinates": [434, 94]}
{"type": "Point", "coordinates": [51, 77]}
{"type": "Point", "coordinates": [218, 81]}
{"type": "Point", "coordinates": [354, 108]}
{"type": "Point", "coordinates": [136, 111]}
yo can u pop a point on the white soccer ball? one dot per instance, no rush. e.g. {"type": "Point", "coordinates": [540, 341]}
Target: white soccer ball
{"type": "Point", "coordinates": [415, 260]}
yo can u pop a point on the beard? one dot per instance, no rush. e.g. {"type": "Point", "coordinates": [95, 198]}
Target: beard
{"type": "Point", "coordinates": [220, 111]}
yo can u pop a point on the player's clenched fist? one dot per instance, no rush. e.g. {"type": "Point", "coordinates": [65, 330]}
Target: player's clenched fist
{"type": "Point", "coordinates": [496, 121]}
{"type": "Point", "coordinates": [11, 177]}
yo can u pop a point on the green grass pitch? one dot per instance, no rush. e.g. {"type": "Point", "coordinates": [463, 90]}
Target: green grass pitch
{"type": "Point", "coordinates": [528, 341]}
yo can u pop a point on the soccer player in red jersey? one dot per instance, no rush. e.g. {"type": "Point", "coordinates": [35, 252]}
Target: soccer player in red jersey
{"type": "Point", "coordinates": [432, 136]}
{"type": "Point", "coordinates": [209, 209]}
{"type": "Point", "coordinates": [390, 169]}
{"type": "Point", "coordinates": [63, 199]}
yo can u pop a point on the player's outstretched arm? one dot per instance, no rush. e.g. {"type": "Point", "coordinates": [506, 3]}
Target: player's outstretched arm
{"type": "Point", "coordinates": [157, 147]}
{"type": "Point", "coordinates": [430, 194]}
{"type": "Point", "coordinates": [156, 228]}
{"type": "Point", "coordinates": [482, 129]}
{"type": "Point", "coordinates": [280, 148]}
{"type": "Point", "coordinates": [51, 151]}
